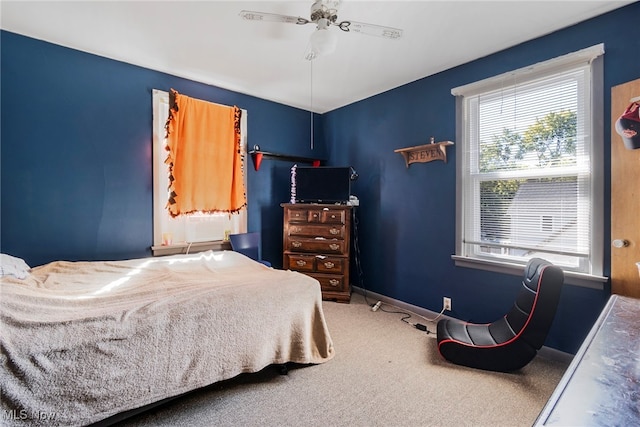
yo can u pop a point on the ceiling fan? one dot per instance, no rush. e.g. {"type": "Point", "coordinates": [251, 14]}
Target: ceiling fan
{"type": "Point", "coordinates": [324, 13]}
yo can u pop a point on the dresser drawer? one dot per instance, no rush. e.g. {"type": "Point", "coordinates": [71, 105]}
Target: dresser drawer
{"type": "Point", "coordinates": [308, 230]}
{"type": "Point", "coordinates": [325, 246]}
{"type": "Point", "coordinates": [300, 262]}
{"type": "Point", "coordinates": [332, 216]}
{"type": "Point", "coordinates": [314, 215]}
{"type": "Point", "coordinates": [330, 265]}
{"type": "Point", "coordinates": [296, 215]}
{"type": "Point", "coordinates": [329, 282]}
{"type": "Point", "coordinates": [315, 263]}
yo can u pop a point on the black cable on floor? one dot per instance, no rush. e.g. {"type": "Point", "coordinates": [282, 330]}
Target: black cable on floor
{"type": "Point", "coordinates": [360, 273]}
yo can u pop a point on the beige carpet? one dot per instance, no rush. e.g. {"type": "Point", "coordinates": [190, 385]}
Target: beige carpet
{"type": "Point", "coordinates": [385, 373]}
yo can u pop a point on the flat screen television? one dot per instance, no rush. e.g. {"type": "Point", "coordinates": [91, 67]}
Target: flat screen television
{"type": "Point", "coordinates": [324, 184]}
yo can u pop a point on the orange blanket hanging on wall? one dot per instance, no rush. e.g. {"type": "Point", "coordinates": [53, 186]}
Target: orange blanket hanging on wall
{"type": "Point", "coordinates": [205, 157]}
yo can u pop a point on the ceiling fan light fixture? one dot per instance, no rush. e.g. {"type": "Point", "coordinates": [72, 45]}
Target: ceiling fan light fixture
{"type": "Point", "coordinates": [323, 41]}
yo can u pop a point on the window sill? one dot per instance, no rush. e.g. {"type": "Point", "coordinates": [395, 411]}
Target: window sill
{"type": "Point", "coordinates": [183, 248]}
{"type": "Point", "coordinates": [570, 277]}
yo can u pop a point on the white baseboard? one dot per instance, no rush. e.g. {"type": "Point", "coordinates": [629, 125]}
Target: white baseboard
{"type": "Point", "coordinates": [373, 297]}
{"type": "Point", "coordinates": [553, 354]}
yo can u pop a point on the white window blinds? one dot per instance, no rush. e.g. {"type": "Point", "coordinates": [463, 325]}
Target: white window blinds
{"type": "Point", "coordinates": [526, 168]}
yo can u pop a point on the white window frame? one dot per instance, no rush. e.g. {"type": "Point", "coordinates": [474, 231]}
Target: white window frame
{"type": "Point", "coordinates": [193, 232]}
{"type": "Point", "coordinates": [464, 257]}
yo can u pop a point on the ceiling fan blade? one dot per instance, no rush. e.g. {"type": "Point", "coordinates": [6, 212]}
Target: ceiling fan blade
{"type": "Point", "coordinates": [272, 17]}
{"type": "Point", "coordinates": [370, 29]}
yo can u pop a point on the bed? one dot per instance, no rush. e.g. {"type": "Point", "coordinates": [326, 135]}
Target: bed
{"type": "Point", "coordinates": [83, 341]}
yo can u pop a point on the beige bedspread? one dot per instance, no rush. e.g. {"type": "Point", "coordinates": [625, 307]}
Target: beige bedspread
{"type": "Point", "coordinates": [81, 341]}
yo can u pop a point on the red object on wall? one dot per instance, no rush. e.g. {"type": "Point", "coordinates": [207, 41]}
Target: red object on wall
{"type": "Point", "coordinates": [628, 125]}
{"type": "Point", "coordinates": [257, 160]}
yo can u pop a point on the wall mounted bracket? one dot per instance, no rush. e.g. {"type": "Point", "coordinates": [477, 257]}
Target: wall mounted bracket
{"type": "Point", "coordinates": [258, 155]}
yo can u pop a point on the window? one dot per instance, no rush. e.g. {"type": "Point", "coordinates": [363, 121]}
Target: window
{"type": "Point", "coordinates": [183, 231]}
{"type": "Point", "coordinates": [529, 167]}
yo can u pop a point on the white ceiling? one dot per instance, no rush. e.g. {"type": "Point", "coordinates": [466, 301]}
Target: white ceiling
{"type": "Point", "coordinates": [208, 42]}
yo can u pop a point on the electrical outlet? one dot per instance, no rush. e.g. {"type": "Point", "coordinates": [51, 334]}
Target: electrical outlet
{"type": "Point", "coordinates": [446, 303]}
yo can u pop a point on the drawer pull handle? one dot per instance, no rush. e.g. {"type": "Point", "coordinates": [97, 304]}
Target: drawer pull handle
{"type": "Point", "coordinates": [329, 264]}
{"type": "Point", "coordinates": [334, 247]}
{"type": "Point", "coordinates": [301, 263]}
{"type": "Point", "coordinates": [296, 244]}
{"type": "Point", "coordinates": [333, 216]}
{"type": "Point", "coordinates": [334, 231]}
{"type": "Point", "coordinates": [334, 282]}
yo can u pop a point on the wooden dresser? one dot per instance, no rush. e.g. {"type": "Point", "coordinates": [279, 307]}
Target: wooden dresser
{"type": "Point", "coordinates": [317, 242]}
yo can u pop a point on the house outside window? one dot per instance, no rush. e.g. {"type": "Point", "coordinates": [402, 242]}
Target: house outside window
{"type": "Point", "coordinates": [529, 168]}
{"type": "Point", "coordinates": [546, 223]}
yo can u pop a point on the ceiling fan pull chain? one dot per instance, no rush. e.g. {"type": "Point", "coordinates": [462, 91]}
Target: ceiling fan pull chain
{"type": "Point", "coordinates": [311, 96]}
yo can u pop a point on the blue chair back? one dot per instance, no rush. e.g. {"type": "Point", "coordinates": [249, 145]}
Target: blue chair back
{"type": "Point", "coordinates": [247, 244]}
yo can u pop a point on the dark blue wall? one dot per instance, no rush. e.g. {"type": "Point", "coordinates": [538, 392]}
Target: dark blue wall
{"type": "Point", "coordinates": [407, 229]}
{"type": "Point", "coordinates": [76, 153]}
{"type": "Point", "coordinates": [76, 177]}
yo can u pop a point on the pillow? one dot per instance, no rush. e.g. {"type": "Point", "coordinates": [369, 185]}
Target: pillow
{"type": "Point", "coordinates": [13, 266]}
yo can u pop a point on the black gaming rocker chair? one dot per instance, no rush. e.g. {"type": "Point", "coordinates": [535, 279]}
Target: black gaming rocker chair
{"type": "Point", "coordinates": [513, 341]}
